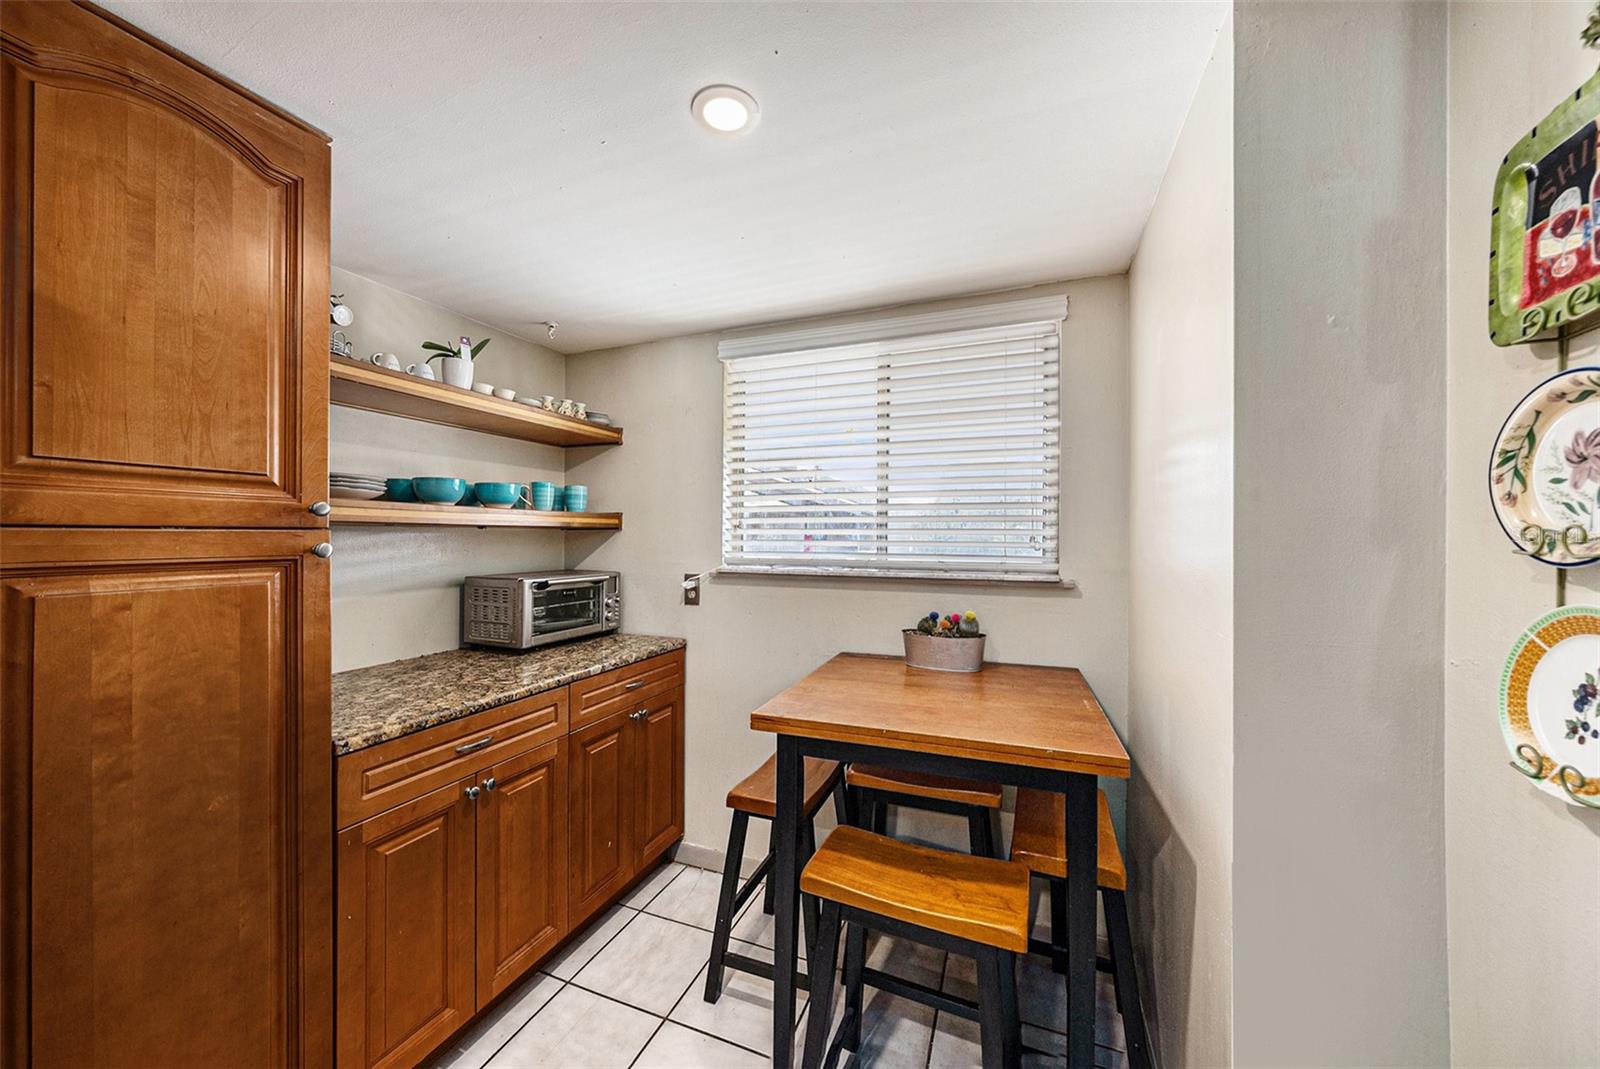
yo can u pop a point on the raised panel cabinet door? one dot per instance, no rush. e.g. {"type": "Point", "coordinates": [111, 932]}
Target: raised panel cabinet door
{"type": "Point", "coordinates": [406, 887]}
{"type": "Point", "coordinates": [522, 865]}
{"type": "Point", "coordinates": [165, 244]}
{"type": "Point", "coordinates": [658, 776]}
{"type": "Point", "coordinates": [600, 849]}
{"type": "Point", "coordinates": [166, 884]}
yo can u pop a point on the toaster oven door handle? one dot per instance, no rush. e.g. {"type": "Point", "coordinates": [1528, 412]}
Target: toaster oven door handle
{"type": "Point", "coordinates": [474, 747]}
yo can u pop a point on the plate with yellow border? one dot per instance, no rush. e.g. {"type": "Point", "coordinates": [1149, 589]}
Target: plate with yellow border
{"type": "Point", "coordinates": [1550, 703]}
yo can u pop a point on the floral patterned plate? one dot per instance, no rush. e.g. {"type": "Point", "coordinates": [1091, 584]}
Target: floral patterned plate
{"type": "Point", "coordinates": [1549, 712]}
{"type": "Point", "coordinates": [1544, 474]}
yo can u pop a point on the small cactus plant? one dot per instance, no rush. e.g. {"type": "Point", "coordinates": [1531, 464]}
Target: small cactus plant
{"type": "Point", "coordinates": [949, 625]}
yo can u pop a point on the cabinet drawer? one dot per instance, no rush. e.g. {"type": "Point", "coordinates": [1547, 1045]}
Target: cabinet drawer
{"type": "Point", "coordinates": [620, 689]}
{"type": "Point", "coordinates": [391, 773]}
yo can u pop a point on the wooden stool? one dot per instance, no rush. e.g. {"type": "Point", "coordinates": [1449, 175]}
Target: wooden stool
{"type": "Point", "coordinates": [1037, 841]}
{"type": "Point", "coordinates": [875, 788]}
{"type": "Point", "coordinates": [976, 906]}
{"type": "Point", "coordinates": [757, 796]}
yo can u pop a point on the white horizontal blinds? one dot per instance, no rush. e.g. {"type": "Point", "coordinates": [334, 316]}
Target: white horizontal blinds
{"type": "Point", "coordinates": [935, 454]}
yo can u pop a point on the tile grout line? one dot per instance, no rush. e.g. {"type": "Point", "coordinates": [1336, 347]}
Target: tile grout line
{"type": "Point", "coordinates": [564, 985]}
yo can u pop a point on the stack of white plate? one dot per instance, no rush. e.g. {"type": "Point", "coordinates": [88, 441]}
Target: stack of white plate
{"type": "Point", "coordinates": [600, 418]}
{"type": "Point", "coordinates": [348, 484]}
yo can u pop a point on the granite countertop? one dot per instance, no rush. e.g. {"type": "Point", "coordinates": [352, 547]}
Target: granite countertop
{"type": "Point", "coordinates": [385, 701]}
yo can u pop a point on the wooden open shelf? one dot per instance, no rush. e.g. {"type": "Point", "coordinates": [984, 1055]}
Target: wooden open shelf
{"type": "Point", "coordinates": [377, 389]}
{"type": "Point", "coordinates": [401, 513]}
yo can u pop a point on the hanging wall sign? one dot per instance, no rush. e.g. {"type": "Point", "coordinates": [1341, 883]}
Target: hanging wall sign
{"type": "Point", "coordinates": [1544, 252]}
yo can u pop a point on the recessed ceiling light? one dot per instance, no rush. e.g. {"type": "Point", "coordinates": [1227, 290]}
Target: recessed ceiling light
{"type": "Point", "coordinates": [726, 109]}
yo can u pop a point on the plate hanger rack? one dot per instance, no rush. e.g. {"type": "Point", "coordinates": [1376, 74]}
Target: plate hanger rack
{"type": "Point", "coordinates": [1571, 780]}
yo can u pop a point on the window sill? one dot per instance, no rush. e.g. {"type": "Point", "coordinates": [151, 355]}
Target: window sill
{"type": "Point", "coordinates": [797, 572]}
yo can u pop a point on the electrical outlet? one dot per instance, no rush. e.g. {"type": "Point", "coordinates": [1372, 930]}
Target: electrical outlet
{"type": "Point", "coordinates": [691, 591]}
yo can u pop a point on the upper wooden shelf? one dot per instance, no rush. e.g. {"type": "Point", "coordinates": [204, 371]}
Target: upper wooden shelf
{"type": "Point", "coordinates": [416, 514]}
{"type": "Point", "coordinates": [378, 389]}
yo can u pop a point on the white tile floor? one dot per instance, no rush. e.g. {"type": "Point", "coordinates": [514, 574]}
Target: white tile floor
{"type": "Point", "coordinates": [628, 993]}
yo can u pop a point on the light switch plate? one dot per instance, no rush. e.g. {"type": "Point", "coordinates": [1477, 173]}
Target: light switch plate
{"type": "Point", "coordinates": [691, 594]}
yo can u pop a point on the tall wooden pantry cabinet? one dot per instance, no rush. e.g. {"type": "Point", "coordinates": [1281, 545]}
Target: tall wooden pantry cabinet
{"type": "Point", "coordinates": [166, 846]}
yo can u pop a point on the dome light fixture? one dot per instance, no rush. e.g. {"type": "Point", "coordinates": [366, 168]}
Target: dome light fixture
{"type": "Point", "coordinates": [725, 109]}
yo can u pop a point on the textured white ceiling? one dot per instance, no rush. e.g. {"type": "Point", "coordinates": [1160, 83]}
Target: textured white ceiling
{"type": "Point", "coordinates": [527, 161]}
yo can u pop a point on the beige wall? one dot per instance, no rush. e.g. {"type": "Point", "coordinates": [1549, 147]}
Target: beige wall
{"type": "Point", "coordinates": [752, 636]}
{"type": "Point", "coordinates": [396, 590]}
{"type": "Point", "coordinates": [1523, 868]}
{"type": "Point", "coordinates": [1180, 804]}
{"type": "Point", "coordinates": [1339, 359]}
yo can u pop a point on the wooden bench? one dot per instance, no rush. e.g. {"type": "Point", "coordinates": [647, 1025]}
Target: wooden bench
{"type": "Point", "coordinates": [874, 788]}
{"type": "Point", "coordinates": [965, 904]}
{"type": "Point", "coordinates": [757, 796]}
{"type": "Point", "coordinates": [1037, 841]}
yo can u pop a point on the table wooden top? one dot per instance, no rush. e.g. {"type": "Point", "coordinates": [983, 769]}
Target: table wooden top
{"type": "Point", "coordinates": [1019, 714]}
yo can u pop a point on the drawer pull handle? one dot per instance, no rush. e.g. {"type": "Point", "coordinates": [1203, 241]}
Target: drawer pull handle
{"type": "Point", "coordinates": [635, 685]}
{"type": "Point", "coordinates": [490, 784]}
{"type": "Point", "coordinates": [474, 747]}
{"type": "Point", "coordinates": [472, 794]}
{"type": "Point", "coordinates": [640, 715]}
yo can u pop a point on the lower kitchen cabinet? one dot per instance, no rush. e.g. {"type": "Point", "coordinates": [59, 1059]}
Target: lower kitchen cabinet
{"type": "Point", "coordinates": [407, 883]}
{"type": "Point", "coordinates": [522, 852]}
{"type": "Point", "coordinates": [451, 890]}
{"type": "Point", "coordinates": [600, 854]}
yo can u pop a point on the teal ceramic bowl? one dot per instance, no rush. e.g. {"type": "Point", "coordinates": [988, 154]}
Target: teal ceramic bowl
{"type": "Point", "coordinates": [439, 491]}
{"type": "Point", "coordinates": [399, 490]}
{"type": "Point", "coordinates": [497, 495]}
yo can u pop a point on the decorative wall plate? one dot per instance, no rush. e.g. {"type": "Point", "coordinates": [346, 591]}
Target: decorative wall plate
{"type": "Point", "coordinates": [1544, 238]}
{"type": "Point", "coordinates": [1550, 704]}
{"type": "Point", "coordinates": [1544, 473]}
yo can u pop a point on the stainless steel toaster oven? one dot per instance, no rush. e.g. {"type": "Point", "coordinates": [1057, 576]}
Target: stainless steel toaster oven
{"type": "Point", "coordinates": [522, 610]}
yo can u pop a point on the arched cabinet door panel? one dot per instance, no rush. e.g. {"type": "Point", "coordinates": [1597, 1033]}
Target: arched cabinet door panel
{"type": "Point", "coordinates": [166, 262]}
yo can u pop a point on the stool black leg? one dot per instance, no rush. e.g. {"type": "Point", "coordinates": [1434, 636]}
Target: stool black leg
{"type": "Point", "coordinates": [1058, 926]}
{"type": "Point", "coordinates": [993, 1011]}
{"type": "Point", "coordinates": [1008, 1003]}
{"type": "Point", "coordinates": [772, 848]}
{"type": "Point", "coordinates": [879, 810]}
{"type": "Point", "coordinates": [855, 955]}
{"type": "Point", "coordinates": [820, 969]}
{"type": "Point", "coordinates": [808, 903]}
{"type": "Point", "coordinates": [730, 888]}
{"type": "Point", "coordinates": [1140, 1053]}
{"type": "Point", "coordinates": [980, 839]}
{"type": "Point", "coordinates": [843, 803]}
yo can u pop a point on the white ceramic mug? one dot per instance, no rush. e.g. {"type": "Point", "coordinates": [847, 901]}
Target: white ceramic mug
{"type": "Point", "coordinates": [421, 371]}
{"type": "Point", "coordinates": [505, 393]}
{"type": "Point", "coordinates": [388, 360]}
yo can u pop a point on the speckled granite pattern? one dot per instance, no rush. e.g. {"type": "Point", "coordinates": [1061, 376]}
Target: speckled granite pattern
{"type": "Point", "coordinates": [385, 701]}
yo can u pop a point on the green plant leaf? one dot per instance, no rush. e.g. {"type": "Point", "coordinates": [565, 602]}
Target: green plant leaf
{"type": "Point", "coordinates": [478, 348]}
{"type": "Point", "coordinates": [436, 347]}
{"type": "Point", "coordinates": [1558, 480]}
{"type": "Point", "coordinates": [1582, 395]}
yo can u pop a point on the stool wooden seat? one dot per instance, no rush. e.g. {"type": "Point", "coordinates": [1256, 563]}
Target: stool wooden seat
{"type": "Point", "coordinates": [757, 796]}
{"type": "Point", "coordinates": [924, 785]}
{"type": "Point", "coordinates": [979, 899]}
{"type": "Point", "coordinates": [874, 788]}
{"type": "Point", "coordinates": [976, 906]}
{"type": "Point", "coordinates": [757, 793]}
{"type": "Point", "coordinates": [1039, 836]}
{"type": "Point", "coordinates": [1038, 840]}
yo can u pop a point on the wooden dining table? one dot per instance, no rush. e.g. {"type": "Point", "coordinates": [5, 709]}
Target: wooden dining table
{"type": "Point", "coordinates": [1027, 725]}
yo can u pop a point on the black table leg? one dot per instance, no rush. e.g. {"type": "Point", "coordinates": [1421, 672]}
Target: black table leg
{"type": "Point", "coordinates": [785, 881]}
{"type": "Point", "coordinates": [1082, 849]}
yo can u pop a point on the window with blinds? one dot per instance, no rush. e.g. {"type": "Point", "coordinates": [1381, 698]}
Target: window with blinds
{"type": "Point", "coordinates": [925, 454]}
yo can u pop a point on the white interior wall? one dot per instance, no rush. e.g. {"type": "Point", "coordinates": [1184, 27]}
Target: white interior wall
{"type": "Point", "coordinates": [753, 636]}
{"type": "Point", "coordinates": [397, 590]}
{"type": "Point", "coordinates": [1180, 802]}
{"type": "Point", "coordinates": [1524, 916]}
{"type": "Point", "coordinates": [1339, 935]}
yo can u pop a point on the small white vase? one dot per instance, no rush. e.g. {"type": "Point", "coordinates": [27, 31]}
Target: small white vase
{"type": "Point", "coordinates": [456, 371]}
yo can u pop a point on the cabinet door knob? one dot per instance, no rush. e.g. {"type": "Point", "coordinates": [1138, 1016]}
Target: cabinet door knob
{"type": "Point", "coordinates": [472, 794]}
{"type": "Point", "coordinates": [323, 549]}
{"type": "Point", "coordinates": [640, 715]}
{"type": "Point", "coordinates": [490, 784]}
{"type": "Point", "coordinates": [320, 508]}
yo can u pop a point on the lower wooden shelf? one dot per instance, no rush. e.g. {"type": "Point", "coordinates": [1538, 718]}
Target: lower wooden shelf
{"type": "Point", "coordinates": [401, 513]}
